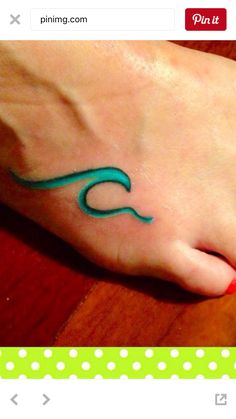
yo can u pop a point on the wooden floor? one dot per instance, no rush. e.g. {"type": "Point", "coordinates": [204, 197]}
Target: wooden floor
{"type": "Point", "coordinates": [49, 295]}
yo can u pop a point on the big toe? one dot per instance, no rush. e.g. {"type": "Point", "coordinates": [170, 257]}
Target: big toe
{"type": "Point", "coordinates": [200, 272]}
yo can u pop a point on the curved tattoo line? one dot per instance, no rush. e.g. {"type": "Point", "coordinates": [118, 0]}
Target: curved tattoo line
{"type": "Point", "coordinates": [97, 176]}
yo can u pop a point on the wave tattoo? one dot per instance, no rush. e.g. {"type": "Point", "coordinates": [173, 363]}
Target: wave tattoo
{"type": "Point", "coordinates": [95, 177]}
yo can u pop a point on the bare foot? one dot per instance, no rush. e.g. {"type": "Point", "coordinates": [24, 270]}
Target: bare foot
{"type": "Point", "coordinates": [162, 117]}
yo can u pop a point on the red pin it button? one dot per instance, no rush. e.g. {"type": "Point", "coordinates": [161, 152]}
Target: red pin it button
{"type": "Point", "coordinates": [205, 19]}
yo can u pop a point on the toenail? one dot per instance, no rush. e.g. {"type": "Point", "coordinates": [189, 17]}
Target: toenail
{"type": "Point", "coordinates": [231, 288]}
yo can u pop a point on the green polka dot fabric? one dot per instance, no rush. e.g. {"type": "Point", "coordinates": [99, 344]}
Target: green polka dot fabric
{"type": "Point", "coordinates": [61, 363]}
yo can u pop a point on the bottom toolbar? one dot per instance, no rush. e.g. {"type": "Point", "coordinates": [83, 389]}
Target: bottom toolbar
{"type": "Point", "coordinates": [118, 399]}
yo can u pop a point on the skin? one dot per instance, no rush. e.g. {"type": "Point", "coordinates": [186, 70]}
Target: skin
{"type": "Point", "coordinates": [160, 113]}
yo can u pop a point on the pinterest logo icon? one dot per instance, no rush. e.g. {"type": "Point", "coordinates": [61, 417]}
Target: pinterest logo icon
{"type": "Point", "coordinates": [205, 19]}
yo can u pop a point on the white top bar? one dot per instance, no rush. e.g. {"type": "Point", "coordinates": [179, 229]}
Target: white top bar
{"type": "Point", "coordinates": [126, 19]}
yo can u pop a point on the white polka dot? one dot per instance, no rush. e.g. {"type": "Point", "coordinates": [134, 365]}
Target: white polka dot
{"type": "Point", "coordinates": [10, 366]}
{"type": "Point", "coordinates": [48, 353]}
{"type": "Point", "coordinates": [200, 353]}
{"type": "Point", "coordinates": [225, 377]}
{"type": "Point", "coordinates": [35, 366]}
{"type": "Point", "coordinates": [149, 377]}
{"type": "Point", "coordinates": [174, 353]}
{"type": "Point", "coordinates": [111, 366]}
{"type": "Point", "coordinates": [200, 377]}
{"type": "Point", "coordinates": [225, 353]}
{"type": "Point", "coordinates": [98, 353]}
{"type": "Point", "coordinates": [0, 353]}
{"type": "Point", "coordinates": [124, 377]}
{"type": "Point", "coordinates": [85, 366]}
{"type": "Point", "coordinates": [98, 377]}
{"type": "Point", "coordinates": [212, 366]}
{"type": "Point", "coordinates": [73, 353]}
{"type": "Point", "coordinates": [73, 377]}
{"type": "Point", "coordinates": [22, 353]}
{"type": "Point", "coordinates": [47, 377]}
{"type": "Point", "coordinates": [124, 353]}
{"type": "Point", "coordinates": [161, 366]}
{"type": "Point", "coordinates": [174, 377]}
{"type": "Point", "coordinates": [60, 366]}
{"type": "Point", "coordinates": [187, 366]}
{"type": "Point", "coordinates": [149, 353]}
{"type": "Point", "coordinates": [136, 366]}
{"type": "Point", "coordinates": [22, 377]}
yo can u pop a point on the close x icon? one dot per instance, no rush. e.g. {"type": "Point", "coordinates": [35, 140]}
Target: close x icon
{"type": "Point", "coordinates": [15, 19]}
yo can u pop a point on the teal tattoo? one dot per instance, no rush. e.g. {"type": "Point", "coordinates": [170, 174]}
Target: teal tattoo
{"type": "Point", "coordinates": [94, 177]}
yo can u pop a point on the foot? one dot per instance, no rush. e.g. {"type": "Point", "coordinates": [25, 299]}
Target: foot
{"type": "Point", "coordinates": [162, 118]}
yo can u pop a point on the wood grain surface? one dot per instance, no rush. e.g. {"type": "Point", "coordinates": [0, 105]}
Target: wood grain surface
{"type": "Point", "coordinates": [49, 295]}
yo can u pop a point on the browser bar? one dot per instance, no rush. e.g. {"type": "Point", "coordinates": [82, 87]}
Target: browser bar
{"type": "Point", "coordinates": [103, 19]}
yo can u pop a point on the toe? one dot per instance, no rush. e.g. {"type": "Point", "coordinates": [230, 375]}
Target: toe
{"type": "Point", "coordinates": [226, 243]}
{"type": "Point", "coordinates": [200, 272]}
